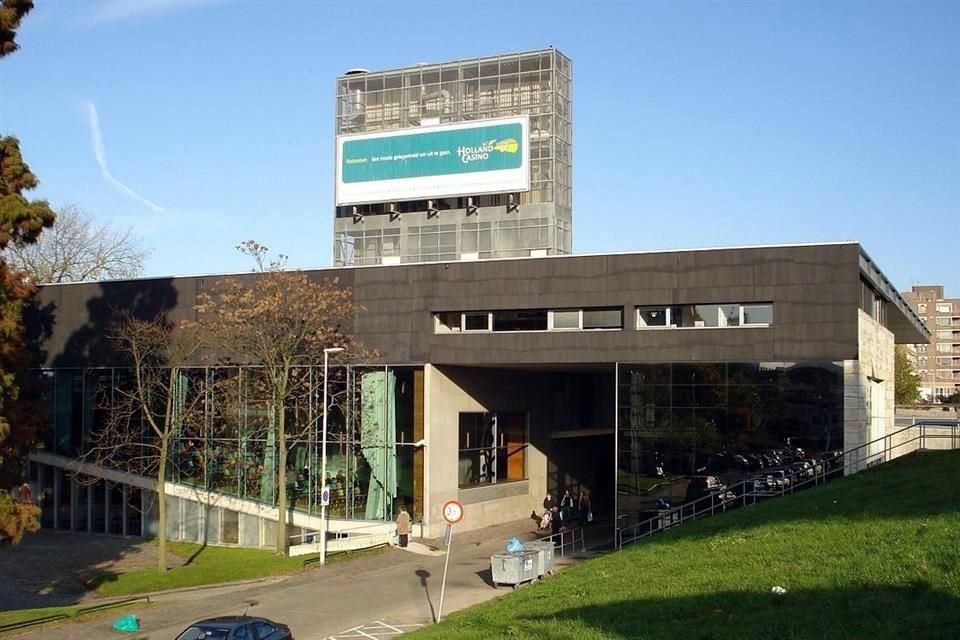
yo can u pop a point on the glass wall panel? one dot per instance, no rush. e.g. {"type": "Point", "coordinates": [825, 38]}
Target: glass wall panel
{"type": "Point", "coordinates": [98, 505]}
{"type": "Point", "coordinates": [726, 419]}
{"type": "Point", "coordinates": [81, 502]}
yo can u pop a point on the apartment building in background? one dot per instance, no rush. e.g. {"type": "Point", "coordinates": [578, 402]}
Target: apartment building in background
{"type": "Point", "coordinates": [937, 363]}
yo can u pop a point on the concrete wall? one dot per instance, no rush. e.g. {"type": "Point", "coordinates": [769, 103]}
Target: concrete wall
{"type": "Point", "coordinates": [452, 390]}
{"type": "Point", "coordinates": [814, 290]}
{"type": "Point", "coordinates": [868, 394]}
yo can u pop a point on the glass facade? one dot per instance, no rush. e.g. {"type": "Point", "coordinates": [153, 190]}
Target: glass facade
{"type": "Point", "coordinates": [227, 441]}
{"type": "Point", "coordinates": [537, 84]}
{"type": "Point", "coordinates": [677, 420]}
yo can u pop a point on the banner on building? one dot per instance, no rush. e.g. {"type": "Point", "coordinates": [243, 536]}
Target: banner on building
{"type": "Point", "coordinates": [434, 162]}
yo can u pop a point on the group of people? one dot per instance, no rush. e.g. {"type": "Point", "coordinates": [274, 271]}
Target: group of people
{"type": "Point", "coordinates": [556, 515]}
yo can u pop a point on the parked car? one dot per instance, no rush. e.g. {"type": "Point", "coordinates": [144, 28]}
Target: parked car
{"type": "Point", "coordinates": [816, 465]}
{"type": "Point", "coordinates": [781, 477]}
{"type": "Point", "coordinates": [236, 628]}
{"type": "Point", "coordinates": [801, 470]}
{"type": "Point", "coordinates": [763, 484]}
{"type": "Point", "coordinates": [702, 486]}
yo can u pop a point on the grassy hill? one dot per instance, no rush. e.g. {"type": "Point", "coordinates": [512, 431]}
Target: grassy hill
{"type": "Point", "coordinates": [873, 556]}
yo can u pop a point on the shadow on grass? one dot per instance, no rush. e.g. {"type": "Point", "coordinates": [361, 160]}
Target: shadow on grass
{"type": "Point", "coordinates": [876, 612]}
{"type": "Point", "coordinates": [58, 568]}
{"type": "Point", "coordinates": [195, 554]}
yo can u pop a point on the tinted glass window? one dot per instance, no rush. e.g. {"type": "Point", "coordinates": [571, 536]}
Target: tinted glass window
{"type": "Point", "coordinates": [758, 314]}
{"type": "Point", "coordinates": [603, 318]}
{"type": "Point", "coordinates": [535, 320]}
{"type": "Point", "coordinates": [476, 322]}
{"type": "Point", "coordinates": [566, 319]}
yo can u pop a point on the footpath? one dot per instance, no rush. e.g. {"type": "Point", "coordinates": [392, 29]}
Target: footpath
{"type": "Point", "coordinates": [379, 595]}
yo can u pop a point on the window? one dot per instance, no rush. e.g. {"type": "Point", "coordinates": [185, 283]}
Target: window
{"type": "Point", "coordinates": [523, 320]}
{"type": "Point", "coordinates": [921, 348]}
{"type": "Point", "coordinates": [565, 319]}
{"type": "Point", "coordinates": [944, 322]}
{"type": "Point", "coordinates": [944, 335]}
{"type": "Point", "coordinates": [448, 322]}
{"type": "Point", "coordinates": [473, 321]}
{"type": "Point", "coordinates": [493, 448]}
{"type": "Point", "coordinates": [944, 307]}
{"type": "Point", "coordinates": [586, 319]}
{"type": "Point", "coordinates": [754, 314]}
{"type": "Point", "coordinates": [508, 320]}
{"type": "Point", "coordinates": [944, 348]}
{"type": "Point", "coordinates": [603, 318]}
{"type": "Point", "coordinates": [922, 307]}
{"type": "Point", "coordinates": [944, 362]}
{"type": "Point", "coordinates": [650, 317]}
{"type": "Point", "coordinates": [757, 314]}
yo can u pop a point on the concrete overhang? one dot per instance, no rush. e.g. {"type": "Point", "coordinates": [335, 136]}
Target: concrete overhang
{"type": "Point", "coordinates": [906, 325]}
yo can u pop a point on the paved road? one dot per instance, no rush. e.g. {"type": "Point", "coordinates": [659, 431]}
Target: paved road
{"type": "Point", "coordinates": [378, 595]}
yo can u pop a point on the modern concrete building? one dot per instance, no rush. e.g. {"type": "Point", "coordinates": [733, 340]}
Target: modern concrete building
{"type": "Point", "coordinates": [508, 368]}
{"type": "Point", "coordinates": [499, 380]}
{"type": "Point", "coordinates": [462, 160]}
{"type": "Point", "coordinates": [938, 363]}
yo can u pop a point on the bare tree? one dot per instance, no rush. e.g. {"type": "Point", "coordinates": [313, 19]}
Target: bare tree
{"type": "Point", "coordinates": [279, 319]}
{"type": "Point", "coordinates": [79, 249]}
{"type": "Point", "coordinates": [145, 414]}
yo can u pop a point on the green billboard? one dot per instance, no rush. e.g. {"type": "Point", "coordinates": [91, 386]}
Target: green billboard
{"type": "Point", "coordinates": [446, 151]}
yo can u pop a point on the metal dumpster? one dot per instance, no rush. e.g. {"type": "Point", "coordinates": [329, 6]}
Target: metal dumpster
{"type": "Point", "coordinates": [544, 549]}
{"type": "Point", "coordinates": [514, 568]}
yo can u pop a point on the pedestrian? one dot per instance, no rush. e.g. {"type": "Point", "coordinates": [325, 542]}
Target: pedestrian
{"type": "Point", "coordinates": [555, 522]}
{"type": "Point", "coordinates": [549, 503]}
{"type": "Point", "coordinates": [403, 525]}
{"type": "Point", "coordinates": [584, 507]}
{"type": "Point", "coordinates": [566, 506]}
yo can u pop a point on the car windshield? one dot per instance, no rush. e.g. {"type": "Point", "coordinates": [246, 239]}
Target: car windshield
{"type": "Point", "coordinates": [204, 633]}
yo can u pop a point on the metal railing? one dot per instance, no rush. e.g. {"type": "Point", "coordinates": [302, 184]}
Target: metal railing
{"type": "Point", "coordinates": [568, 539]}
{"type": "Point", "coordinates": [924, 435]}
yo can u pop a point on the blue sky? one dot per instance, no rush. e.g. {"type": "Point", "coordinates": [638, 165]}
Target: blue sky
{"type": "Point", "coordinates": [695, 124]}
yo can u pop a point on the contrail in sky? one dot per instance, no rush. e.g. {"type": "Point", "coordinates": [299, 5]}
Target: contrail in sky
{"type": "Point", "coordinates": [98, 151]}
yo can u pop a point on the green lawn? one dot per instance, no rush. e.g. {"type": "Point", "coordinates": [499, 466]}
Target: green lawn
{"type": "Point", "coordinates": [209, 565]}
{"type": "Point", "coordinates": [873, 556]}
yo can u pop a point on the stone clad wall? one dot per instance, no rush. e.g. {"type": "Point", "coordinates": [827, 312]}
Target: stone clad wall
{"type": "Point", "coordinates": [868, 395]}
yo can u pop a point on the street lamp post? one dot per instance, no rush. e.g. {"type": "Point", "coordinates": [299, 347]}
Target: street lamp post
{"type": "Point", "coordinates": [323, 458]}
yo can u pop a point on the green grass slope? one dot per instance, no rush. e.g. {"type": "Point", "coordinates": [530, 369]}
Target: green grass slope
{"type": "Point", "coordinates": [872, 556]}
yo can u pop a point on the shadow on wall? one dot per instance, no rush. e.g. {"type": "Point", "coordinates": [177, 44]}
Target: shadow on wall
{"type": "Point", "coordinates": [89, 341]}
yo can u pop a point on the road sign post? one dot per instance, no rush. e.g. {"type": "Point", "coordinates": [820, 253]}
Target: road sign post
{"type": "Point", "coordinates": [452, 514]}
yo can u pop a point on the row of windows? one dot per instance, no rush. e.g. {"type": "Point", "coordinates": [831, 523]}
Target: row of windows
{"type": "Point", "coordinates": [944, 374]}
{"type": "Point", "coordinates": [942, 307]}
{"type": "Point", "coordinates": [605, 318]}
{"type": "Point", "coordinates": [941, 361]}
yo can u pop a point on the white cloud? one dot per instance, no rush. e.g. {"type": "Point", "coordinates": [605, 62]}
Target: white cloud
{"type": "Point", "coordinates": [120, 10]}
{"type": "Point", "coordinates": [101, 155]}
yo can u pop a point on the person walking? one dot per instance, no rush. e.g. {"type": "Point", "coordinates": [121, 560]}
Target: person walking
{"type": "Point", "coordinates": [403, 525]}
{"type": "Point", "coordinates": [584, 508]}
{"type": "Point", "coordinates": [566, 507]}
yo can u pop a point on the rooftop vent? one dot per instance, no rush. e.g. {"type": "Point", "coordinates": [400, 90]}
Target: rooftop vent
{"type": "Point", "coordinates": [356, 71]}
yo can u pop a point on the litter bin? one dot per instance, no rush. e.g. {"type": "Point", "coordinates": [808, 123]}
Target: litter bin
{"type": "Point", "coordinates": [544, 549]}
{"type": "Point", "coordinates": [514, 568]}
